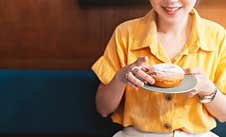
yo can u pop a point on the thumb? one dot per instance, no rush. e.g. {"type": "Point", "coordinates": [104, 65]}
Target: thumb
{"type": "Point", "coordinates": [193, 71]}
{"type": "Point", "coordinates": [140, 61]}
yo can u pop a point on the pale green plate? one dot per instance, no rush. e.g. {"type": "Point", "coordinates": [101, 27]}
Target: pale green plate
{"type": "Point", "coordinates": [186, 85]}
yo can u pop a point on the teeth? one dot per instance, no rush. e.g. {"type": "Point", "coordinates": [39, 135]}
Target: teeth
{"type": "Point", "coordinates": [171, 8]}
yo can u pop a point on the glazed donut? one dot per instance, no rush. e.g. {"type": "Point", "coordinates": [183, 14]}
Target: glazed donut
{"type": "Point", "coordinates": [167, 75]}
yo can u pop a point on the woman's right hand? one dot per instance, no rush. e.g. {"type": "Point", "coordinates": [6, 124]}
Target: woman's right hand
{"type": "Point", "coordinates": [135, 74]}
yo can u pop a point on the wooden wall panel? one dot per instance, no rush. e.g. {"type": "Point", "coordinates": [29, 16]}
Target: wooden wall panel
{"type": "Point", "coordinates": [60, 34]}
{"type": "Point", "coordinates": [214, 10]}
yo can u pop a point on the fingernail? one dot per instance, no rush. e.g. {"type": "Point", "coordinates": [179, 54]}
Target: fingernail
{"type": "Point", "coordinates": [142, 84]}
{"type": "Point", "coordinates": [152, 81]}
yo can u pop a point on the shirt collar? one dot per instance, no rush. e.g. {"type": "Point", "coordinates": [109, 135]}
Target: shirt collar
{"type": "Point", "coordinates": [147, 30]}
{"type": "Point", "coordinates": [197, 38]}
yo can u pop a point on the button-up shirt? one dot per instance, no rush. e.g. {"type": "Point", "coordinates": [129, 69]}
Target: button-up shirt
{"type": "Point", "coordinates": [159, 112]}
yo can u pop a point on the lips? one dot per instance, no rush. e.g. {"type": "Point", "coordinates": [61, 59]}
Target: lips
{"type": "Point", "coordinates": [171, 10]}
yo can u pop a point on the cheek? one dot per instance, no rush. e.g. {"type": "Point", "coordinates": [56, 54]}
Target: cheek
{"type": "Point", "coordinates": [190, 3]}
{"type": "Point", "coordinates": [154, 3]}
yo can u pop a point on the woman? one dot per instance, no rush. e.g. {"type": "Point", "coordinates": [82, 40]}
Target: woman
{"type": "Point", "coordinates": [172, 32]}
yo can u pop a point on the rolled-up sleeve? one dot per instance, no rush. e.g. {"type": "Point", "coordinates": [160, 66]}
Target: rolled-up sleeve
{"type": "Point", "coordinates": [113, 59]}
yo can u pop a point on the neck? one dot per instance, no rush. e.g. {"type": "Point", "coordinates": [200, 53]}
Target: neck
{"type": "Point", "coordinates": [176, 28]}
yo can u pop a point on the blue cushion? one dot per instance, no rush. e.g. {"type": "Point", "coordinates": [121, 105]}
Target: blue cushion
{"type": "Point", "coordinates": [220, 130]}
{"type": "Point", "coordinates": [54, 102]}
{"type": "Point", "coordinates": [33, 101]}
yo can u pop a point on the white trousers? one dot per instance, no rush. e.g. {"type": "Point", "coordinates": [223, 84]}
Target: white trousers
{"type": "Point", "coordinates": [133, 132]}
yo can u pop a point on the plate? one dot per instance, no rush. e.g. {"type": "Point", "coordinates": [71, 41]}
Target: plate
{"type": "Point", "coordinates": [186, 85]}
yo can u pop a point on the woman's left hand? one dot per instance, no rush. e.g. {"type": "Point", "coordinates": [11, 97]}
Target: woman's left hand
{"type": "Point", "coordinates": [204, 86]}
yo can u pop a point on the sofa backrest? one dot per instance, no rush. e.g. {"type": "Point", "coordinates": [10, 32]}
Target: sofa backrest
{"type": "Point", "coordinates": [54, 102]}
{"type": "Point", "coordinates": [50, 102]}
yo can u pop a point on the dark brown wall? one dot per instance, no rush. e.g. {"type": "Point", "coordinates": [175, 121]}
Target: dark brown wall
{"type": "Point", "coordinates": [60, 34]}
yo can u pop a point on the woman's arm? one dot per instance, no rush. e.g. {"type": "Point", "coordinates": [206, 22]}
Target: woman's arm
{"type": "Point", "coordinates": [204, 88]}
{"type": "Point", "coordinates": [108, 97]}
{"type": "Point", "coordinates": [217, 107]}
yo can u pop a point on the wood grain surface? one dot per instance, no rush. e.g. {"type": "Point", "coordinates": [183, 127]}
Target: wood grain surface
{"type": "Point", "coordinates": [61, 34]}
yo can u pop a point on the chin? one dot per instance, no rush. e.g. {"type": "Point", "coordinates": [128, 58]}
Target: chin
{"type": "Point", "coordinates": [175, 18]}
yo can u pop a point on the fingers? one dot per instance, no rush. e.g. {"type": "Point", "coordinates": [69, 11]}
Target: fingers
{"type": "Point", "coordinates": [197, 72]}
{"type": "Point", "coordinates": [204, 86]}
{"type": "Point", "coordinates": [193, 71]}
{"type": "Point", "coordinates": [146, 68]}
{"type": "Point", "coordinates": [142, 75]}
{"type": "Point", "coordinates": [192, 93]}
{"type": "Point", "coordinates": [134, 80]}
{"type": "Point", "coordinates": [135, 74]}
{"type": "Point", "coordinates": [133, 86]}
{"type": "Point", "coordinates": [140, 61]}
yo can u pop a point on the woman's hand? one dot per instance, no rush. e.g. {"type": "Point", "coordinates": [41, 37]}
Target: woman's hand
{"type": "Point", "coordinates": [135, 74]}
{"type": "Point", "coordinates": [204, 86]}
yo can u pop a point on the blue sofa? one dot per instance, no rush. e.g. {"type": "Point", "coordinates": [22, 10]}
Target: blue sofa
{"type": "Point", "coordinates": [51, 102]}
{"type": "Point", "coordinates": [54, 102]}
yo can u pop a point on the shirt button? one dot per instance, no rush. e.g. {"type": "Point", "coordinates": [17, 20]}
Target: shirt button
{"type": "Point", "coordinates": [167, 126]}
{"type": "Point", "coordinates": [168, 97]}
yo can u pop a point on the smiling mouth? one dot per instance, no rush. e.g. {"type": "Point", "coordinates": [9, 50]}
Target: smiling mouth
{"type": "Point", "coordinates": [171, 10]}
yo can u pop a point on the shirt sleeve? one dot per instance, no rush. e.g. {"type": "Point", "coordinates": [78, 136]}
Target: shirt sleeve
{"type": "Point", "coordinates": [113, 59]}
{"type": "Point", "coordinates": [220, 77]}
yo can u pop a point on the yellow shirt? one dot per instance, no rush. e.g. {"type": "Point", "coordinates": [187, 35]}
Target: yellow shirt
{"type": "Point", "coordinates": [160, 112]}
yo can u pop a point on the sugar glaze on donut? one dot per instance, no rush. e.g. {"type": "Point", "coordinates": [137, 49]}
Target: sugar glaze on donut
{"type": "Point", "coordinates": [167, 75]}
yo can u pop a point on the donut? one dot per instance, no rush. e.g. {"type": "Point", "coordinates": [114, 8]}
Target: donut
{"type": "Point", "coordinates": [167, 75]}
